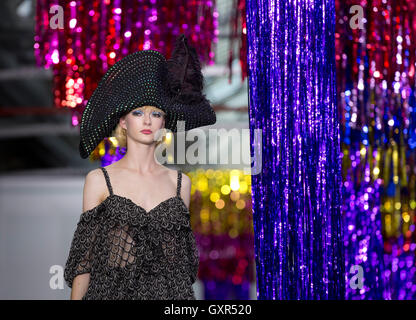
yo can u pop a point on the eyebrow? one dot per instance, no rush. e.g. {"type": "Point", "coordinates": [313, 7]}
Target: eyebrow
{"type": "Point", "coordinates": [152, 111]}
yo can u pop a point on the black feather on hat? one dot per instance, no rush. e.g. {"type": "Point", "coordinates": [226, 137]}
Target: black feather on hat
{"type": "Point", "coordinates": [185, 84]}
{"type": "Point", "coordinates": [184, 73]}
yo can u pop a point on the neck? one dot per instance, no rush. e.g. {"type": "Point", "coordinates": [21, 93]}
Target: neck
{"type": "Point", "coordinates": [140, 158]}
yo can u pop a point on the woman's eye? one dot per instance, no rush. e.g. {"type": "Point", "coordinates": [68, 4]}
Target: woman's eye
{"type": "Point", "coordinates": [157, 114]}
{"type": "Point", "coordinates": [138, 112]}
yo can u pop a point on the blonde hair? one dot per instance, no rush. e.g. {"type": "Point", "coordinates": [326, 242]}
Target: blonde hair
{"type": "Point", "coordinates": [121, 134]}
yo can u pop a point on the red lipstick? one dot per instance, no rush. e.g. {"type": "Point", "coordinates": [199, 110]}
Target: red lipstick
{"type": "Point", "coordinates": [146, 131]}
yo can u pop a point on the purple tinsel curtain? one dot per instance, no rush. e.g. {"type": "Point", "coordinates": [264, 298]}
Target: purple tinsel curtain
{"type": "Point", "coordinates": [296, 196]}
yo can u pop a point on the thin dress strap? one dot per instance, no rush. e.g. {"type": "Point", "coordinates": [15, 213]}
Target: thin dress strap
{"type": "Point", "coordinates": [107, 180]}
{"type": "Point", "coordinates": [178, 189]}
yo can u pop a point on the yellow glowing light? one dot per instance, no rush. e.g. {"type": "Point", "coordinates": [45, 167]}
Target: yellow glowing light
{"type": "Point", "coordinates": [362, 152]}
{"type": "Point", "coordinates": [234, 180]}
{"type": "Point", "coordinates": [388, 220]}
{"type": "Point", "coordinates": [218, 174]}
{"type": "Point", "coordinates": [210, 173]}
{"type": "Point", "coordinates": [243, 187]}
{"type": "Point", "coordinates": [397, 205]}
{"type": "Point", "coordinates": [114, 141]}
{"type": "Point", "coordinates": [413, 204]}
{"type": "Point", "coordinates": [233, 233]}
{"type": "Point", "coordinates": [101, 151]}
{"type": "Point", "coordinates": [214, 197]}
{"type": "Point", "coordinates": [220, 204]}
{"type": "Point", "coordinates": [204, 214]}
{"type": "Point", "coordinates": [202, 184]}
{"type": "Point", "coordinates": [376, 171]}
{"type": "Point", "coordinates": [387, 205]}
{"type": "Point", "coordinates": [170, 158]}
{"type": "Point", "coordinates": [396, 179]}
{"type": "Point", "coordinates": [168, 138]}
{"type": "Point", "coordinates": [225, 189]}
{"type": "Point", "coordinates": [235, 183]}
{"type": "Point", "coordinates": [406, 217]}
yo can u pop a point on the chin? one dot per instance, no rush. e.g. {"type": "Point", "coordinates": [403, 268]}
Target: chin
{"type": "Point", "coordinates": [147, 141]}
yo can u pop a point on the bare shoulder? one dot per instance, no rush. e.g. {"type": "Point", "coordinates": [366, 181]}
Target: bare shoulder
{"type": "Point", "coordinates": [185, 190]}
{"type": "Point", "coordinates": [94, 189]}
{"type": "Point", "coordinates": [186, 181]}
{"type": "Point", "coordinates": [94, 178]}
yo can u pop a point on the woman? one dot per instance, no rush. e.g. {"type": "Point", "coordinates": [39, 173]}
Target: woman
{"type": "Point", "coordinates": [131, 243]}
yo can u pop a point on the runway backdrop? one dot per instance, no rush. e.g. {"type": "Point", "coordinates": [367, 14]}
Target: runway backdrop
{"type": "Point", "coordinates": [334, 206]}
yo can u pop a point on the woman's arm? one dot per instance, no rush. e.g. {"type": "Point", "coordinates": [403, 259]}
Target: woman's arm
{"type": "Point", "coordinates": [186, 190]}
{"type": "Point", "coordinates": [92, 197]}
{"type": "Point", "coordinates": [192, 247]}
{"type": "Point", "coordinates": [80, 286]}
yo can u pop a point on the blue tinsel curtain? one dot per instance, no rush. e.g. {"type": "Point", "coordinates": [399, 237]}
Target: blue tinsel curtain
{"type": "Point", "coordinates": [296, 195]}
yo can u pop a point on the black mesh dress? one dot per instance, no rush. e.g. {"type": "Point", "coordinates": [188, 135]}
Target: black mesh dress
{"type": "Point", "coordinates": [134, 254]}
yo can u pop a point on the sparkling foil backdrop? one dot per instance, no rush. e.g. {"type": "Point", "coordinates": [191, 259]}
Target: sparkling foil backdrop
{"type": "Point", "coordinates": [376, 87]}
{"type": "Point", "coordinates": [97, 33]}
{"type": "Point", "coordinates": [223, 226]}
{"type": "Point", "coordinates": [296, 198]}
{"type": "Point", "coordinates": [238, 28]}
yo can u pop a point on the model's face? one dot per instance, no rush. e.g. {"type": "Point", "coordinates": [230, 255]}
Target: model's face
{"type": "Point", "coordinates": [142, 123]}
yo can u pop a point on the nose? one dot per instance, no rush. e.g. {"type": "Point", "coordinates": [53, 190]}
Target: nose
{"type": "Point", "coordinates": [147, 118]}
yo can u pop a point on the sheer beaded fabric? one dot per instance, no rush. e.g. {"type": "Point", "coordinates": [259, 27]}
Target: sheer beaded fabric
{"type": "Point", "coordinates": [134, 254]}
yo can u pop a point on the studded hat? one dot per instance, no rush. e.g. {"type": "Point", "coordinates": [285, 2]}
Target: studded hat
{"type": "Point", "coordinates": [146, 78]}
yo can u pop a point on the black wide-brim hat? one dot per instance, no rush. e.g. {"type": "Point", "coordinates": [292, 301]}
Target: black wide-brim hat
{"type": "Point", "coordinates": [147, 78]}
